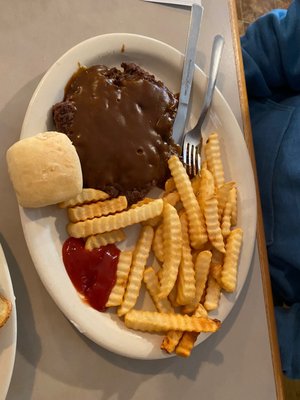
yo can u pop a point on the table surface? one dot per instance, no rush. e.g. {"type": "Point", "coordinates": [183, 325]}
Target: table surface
{"type": "Point", "coordinates": [53, 359]}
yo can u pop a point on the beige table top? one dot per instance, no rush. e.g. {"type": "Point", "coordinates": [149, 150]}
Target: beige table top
{"type": "Point", "coordinates": [53, 360]}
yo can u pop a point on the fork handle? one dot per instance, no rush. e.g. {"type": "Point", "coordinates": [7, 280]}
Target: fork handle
{"type": "Point", "coordinates": [216, 54]}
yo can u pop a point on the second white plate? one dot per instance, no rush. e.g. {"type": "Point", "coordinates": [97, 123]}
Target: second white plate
{"type": "Point", "coordinates": [8, 333]}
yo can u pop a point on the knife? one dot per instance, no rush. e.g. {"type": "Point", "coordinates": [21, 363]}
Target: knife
{"type": "Point", "coordinates": [187, 73]}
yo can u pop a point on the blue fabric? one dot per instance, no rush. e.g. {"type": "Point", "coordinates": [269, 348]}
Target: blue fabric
{"type": "Point", "coordinates": [271, 55]}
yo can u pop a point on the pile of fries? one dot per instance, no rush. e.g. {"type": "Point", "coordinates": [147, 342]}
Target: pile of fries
{"type": "Point", "coordinates": [191, 232]}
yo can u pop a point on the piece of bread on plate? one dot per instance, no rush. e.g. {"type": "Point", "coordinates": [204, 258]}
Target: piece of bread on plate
{"type": "Point", "coordinates": [5, 310]}
{"type": "Point", "coordinates": [44, 169]}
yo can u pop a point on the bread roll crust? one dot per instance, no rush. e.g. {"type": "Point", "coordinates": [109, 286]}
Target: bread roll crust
{"type": "Point", "coordinates": [44, 169]}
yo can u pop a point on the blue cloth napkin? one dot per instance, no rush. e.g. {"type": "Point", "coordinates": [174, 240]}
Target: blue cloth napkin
{"type": "Point", "coordinates": [271, 55]}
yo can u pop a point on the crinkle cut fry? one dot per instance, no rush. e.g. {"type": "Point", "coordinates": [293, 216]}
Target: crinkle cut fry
{"type": "Point", "coordinates": [213, 157]}
{"type": "Point", "coordinates": [173, 295]}
{"type": "Point", "coordinates": [231, 259]}
{"type": "Point", "coordinates": [226, 219]}
{"type": "Point", "coordinates": [186, 282]}
{"type": "Point", "coordinates": [139, 259]}
{"type": "Point", "coordinates": [153, 321]}
{"type": "Point", "coordinates": [171, 340]}
{"type": "Point", "coordinates": [162, 305]}
{"type": "Point", "coordinates": [213, 293]}
{"type": "Point", "coordinates": [223, 195]}
{"type": "Point", "coordinates": [153, 221]}
{"type": "Point", "coordinates": [116, 221]}
{"type": "Point", "coordinates": [123, 268]}
{"type": "Point", "coordinates": [206, 186]}
{"type": "Point", "coordinates": [186, 344]}
{"type": "Point", "coordinates": [152, 285]}
{"type": "Point", "coordinates": [142, 202]}
{"type": "Point", "coordinates": [157, 245]}
{"type": "Point", "coordinates": [213, 224]}
{"type": "Point", "coordinates": [215, 271]}
{"type": "Point", "coordinates": [233, 200]}
{"type": "Point", "coordinates": [170, 185]}
{"type": "Point", "coordinates": [202, 265]}
{"type": "Point", "coordinates": [96, 241]}
{"type": "Point", "coordinates": [172, 240]}
{"type": "Point", "coordinates": [197, 228]}
{"type": "Point", "coordinates": [172, 198]}
{"type": "Point", "coordinates": [86, 196]}
{"type": "Point", "coordinates": [92, 210]}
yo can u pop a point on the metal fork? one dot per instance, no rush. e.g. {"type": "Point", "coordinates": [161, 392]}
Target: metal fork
{"type": "Point", "coordinates": [192, 140]}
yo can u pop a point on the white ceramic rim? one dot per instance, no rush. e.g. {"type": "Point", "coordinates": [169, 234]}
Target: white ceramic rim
{"type": "Point", "coordinates": [8, 333]}
{"type": "Point", "coordinates": [31, 219]}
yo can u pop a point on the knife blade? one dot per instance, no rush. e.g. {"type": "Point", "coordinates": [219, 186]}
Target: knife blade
{"type": "Point", "coordinates": [175, 2]}
{"type": "Point", "coordinates": [187, 73]}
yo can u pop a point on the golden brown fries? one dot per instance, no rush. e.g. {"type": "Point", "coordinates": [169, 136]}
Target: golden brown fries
{"type": "Point", "coordinates": [217, 257]}
{"type": "Point", "coordinates": [202, 265]}
{"type": "Point", "coordinates": [96, 241]}
{"type": "Point", "coordinates": [233, 201]}
{"type": "Point", "coordinates": [213, 158]}
{"type": "Point", "coordinates": [206, 186]}
{"type": "Point", "coordinates": [170, 186]}
{"type": "Point", "coordinates": [172, 240]}
{"type": "Point", "coordinates": [226, 219]}
{"type": "Point", "coordinates": [86, 196]}
{"type": "Point", "coordinates": [116, 221]}
{"type": "Point", "coordinates": [152, 221]}
{"type": "Point", "coordinates": [123, 268]}
{"type": "Point", "coordinates": [223, 193]}
{"type": "Point", "coordinates": [183, 341]}
{"type": "Point", "coordinates": [186, 344]}
{"type": "Point", "coordinates": [215, 271]}
{"type": "Point", "coordinates": [197, 229]}
{"type": "Point", "coordinates": [172, 198]}
{"type": "Point", "coordinates": [191, 238]}
{"type": "Point", "coordinates": [139, 259]}
{"type": "Point", "coordinates": [88, 211]}
{"type": "Point", "coordinates": [213, 224]}
{"type": "Point", "coordinates": [188, 339]}
{"type": "Point", "coordinates": [163, 305]}
{"type": "Point", "coordinates": [152, 285]}
{"type": "Point", "coordinates": [171, 340]}
{"type": "Point", "coordinates": [173, 295]}
{"type": "Point", "coordinates": [186, 282]}
{"type": "Point", "coordinates": [195, 182]}
{"type": "Point", "coordinates": [142, 202]}
{"type": "Point", "coordinates": [213, 292]}
{"type": "Point", "coordinates": [153, 321]}
{"type": "Point", "coordinates": [157, 245]}
{"type": "Point", "coordinates": [229, 271]}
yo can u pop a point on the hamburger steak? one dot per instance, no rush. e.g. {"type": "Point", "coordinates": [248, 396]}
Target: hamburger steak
{"type": "Point", "coordinates": [120, 122]}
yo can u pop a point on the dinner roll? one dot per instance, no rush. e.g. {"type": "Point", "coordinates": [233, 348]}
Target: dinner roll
{"type": "Point", "coordinates": [44, 169]}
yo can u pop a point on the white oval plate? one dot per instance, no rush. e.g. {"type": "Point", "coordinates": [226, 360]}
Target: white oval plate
{"type": "Point", "coordinates": [44, 229]}
{"type": "Point", "coordinates": [8, 333]}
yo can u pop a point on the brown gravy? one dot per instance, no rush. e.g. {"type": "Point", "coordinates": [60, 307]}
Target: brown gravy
{"type": "Point", "coordinates": [121, 125]}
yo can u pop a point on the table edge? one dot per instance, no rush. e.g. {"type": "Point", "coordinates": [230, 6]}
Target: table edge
{"type": "Point", "coordinates": [260, 236]}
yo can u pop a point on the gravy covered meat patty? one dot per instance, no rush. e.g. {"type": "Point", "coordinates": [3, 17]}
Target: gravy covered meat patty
{"type": "Point", "coordinates": [121, 125]}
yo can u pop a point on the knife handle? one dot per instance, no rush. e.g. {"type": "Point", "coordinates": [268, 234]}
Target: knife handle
{"type": "Point", "coordinates": [188, 72]}
{"type": "Point", "coordinates": [190, 56]}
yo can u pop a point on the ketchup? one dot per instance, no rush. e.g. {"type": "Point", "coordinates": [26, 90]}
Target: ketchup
{"type": "Point", "coordinates": [93, 273]}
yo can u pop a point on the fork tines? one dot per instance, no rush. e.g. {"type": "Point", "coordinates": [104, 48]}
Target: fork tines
{"type": "Point", "coordinates": [191, 158]}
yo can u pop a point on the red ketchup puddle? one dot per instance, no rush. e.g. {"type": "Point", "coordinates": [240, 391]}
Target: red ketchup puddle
{"type": "Point", "coordinates": [93, 273]}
